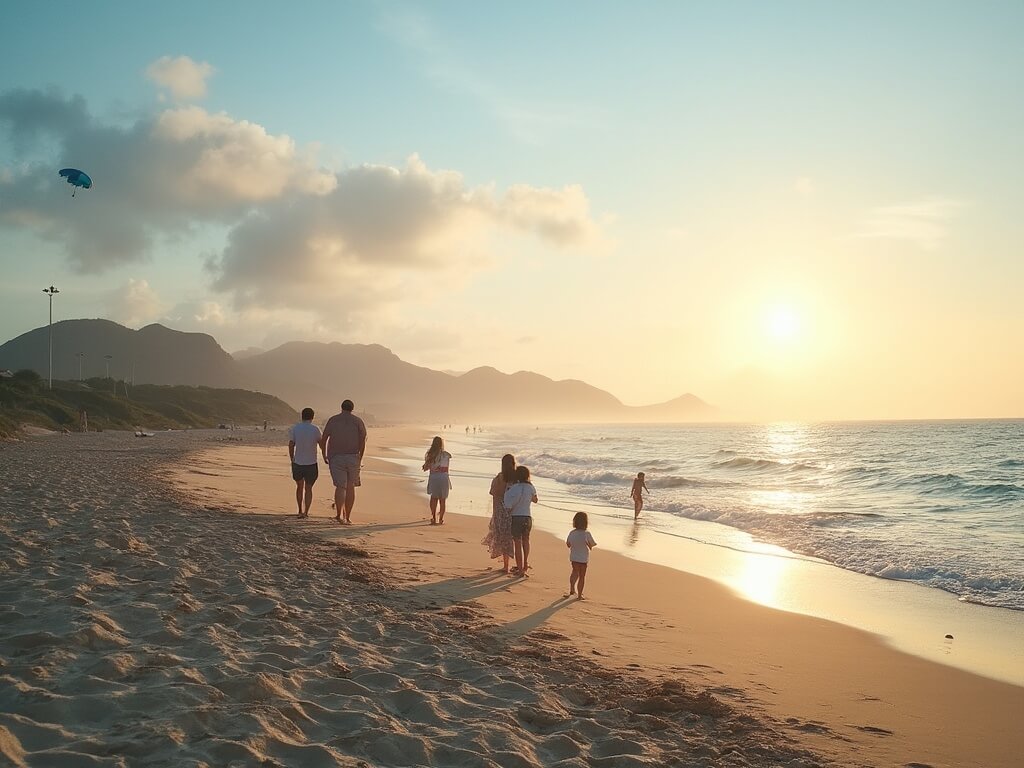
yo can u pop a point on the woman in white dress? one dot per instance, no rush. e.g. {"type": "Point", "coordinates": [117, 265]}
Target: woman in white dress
{"type": "Point", "coordinates": [436, 462]}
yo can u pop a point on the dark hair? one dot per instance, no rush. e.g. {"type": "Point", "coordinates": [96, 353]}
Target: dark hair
{"type": "Point", "coordinates": [348, 405]}
{"type": "Point", "coordinates": [436, 446]}
{"type": "Point", "coordinates": [307, 414]}
{"type": "Point", "coordinates": [522, 474]}
{"type": "Point", "coordinates": [579, 521]}
{"type": "Point", "coordinates": [508, 468]}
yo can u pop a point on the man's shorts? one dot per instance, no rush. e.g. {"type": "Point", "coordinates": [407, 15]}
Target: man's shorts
{"type": "Point", "coordinates": [521, 525]}
{"type": "Point", "coordinates": [307, 472]}
{"type": "Point", "coordinates": [345, 470]}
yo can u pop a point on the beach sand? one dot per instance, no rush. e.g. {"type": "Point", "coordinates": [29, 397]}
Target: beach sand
{"type": "Point", "coordinates": [144, 621]}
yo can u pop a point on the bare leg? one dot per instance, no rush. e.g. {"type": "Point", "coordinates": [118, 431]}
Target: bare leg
{"type": "Point", "coordinates": [350, 501]}
{"type": "Point", "coordinates": [308, 499]}
{"type": "Point", "coordinates": [526, 553]}
{"type": "Point", "coordinates": [506, 563]}
{"type": "Point", "coordinates": [339, 501]}
{"type": "Point", "coordinates": [573, 578]}
{"type": "Point", "coordinates": [638, 504]}
{"type": "Point", "coordinates": [298, 494]}
{"type": "Point", "coordinates": [440, 517]}
{"type": "Point", "coordinates": [518, 545]}
{"type": "Point", "coordinates": [583, 578]}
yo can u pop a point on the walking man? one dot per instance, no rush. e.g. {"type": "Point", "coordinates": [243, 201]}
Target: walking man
{"type": "Point", "coordinates": [303, 439]}
{"type": "Point", "coordinates": [343, 444]}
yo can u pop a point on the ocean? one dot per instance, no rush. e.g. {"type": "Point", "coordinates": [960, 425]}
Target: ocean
{"type": "Point", "coordinates": [940, 504]}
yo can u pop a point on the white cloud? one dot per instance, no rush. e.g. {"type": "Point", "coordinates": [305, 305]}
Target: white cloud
{"type": "Point", "coordinates": [159, 176]}
{"type": "Point", "coordinates": [923, 223]}
{"type": "Point", "coordinates": [336, 249]}
{"type": "Point", "coordinates": [134, 304]}
{"type": "Point", "coordinates": [183, 77]}
{"type": "Point", "coordinates": [383, 232]}
{"type": "Point", "coordinates": [236, 158]}
{"type": "Point", "coordinates": [560, 215]}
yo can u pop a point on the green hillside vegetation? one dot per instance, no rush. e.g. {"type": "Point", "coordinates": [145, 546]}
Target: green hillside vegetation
{"type": "Point", "coordinates": [112, 404]}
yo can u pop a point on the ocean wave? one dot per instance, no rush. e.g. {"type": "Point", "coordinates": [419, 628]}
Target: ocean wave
{"type": "Point", "coordinates": [995, 491]}
{"type": "Point", "coordinates": [1010, 463]}
{"type": "Point", "coordinates": [862, 546]}
{"type": "Point", "coordinates": [617, 479]}
{"type": "Point", "coordinates": [747, 463]}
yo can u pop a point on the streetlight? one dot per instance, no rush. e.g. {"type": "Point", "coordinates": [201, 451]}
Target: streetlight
{"type": "Point", "coordinates": [50, 291]}
{"type": "Point", "coordinates": [108, 357]}
{"type": "Point", "coordinates": [80, 355]}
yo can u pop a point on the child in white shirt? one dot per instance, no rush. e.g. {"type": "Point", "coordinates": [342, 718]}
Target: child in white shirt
{"type": "Point", "coordinates": [580, 542]}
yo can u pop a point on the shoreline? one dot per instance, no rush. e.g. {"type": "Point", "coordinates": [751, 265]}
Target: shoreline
{"type": "Point", "coordinates": [910, 617]}
{"type": "Point", "coordinates": [840, 689]}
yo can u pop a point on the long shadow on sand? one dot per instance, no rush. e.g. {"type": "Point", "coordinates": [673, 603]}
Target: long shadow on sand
{"type": "Point", "coordinates": [461, 589]}
{"type": "Point", "coordinates": [527, 624]}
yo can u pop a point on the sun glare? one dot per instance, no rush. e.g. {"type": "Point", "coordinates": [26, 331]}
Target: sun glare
{"type": "Point", "coordinates": [782, 324]}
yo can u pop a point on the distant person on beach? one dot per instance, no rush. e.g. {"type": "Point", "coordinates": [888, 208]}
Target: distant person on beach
{"type": "Point", "coordinates": [437, 461]}
{"type": "Point", "coordinates": [343, 444]}
{"type": "Point", "coordinates": [637, 494]}
{"type": "Point", "coordinates": [580, 542]}
{"type": "Point", "coordinates": [499, 531]}
{"type": "Point", "coordinates": [517, 500]}
{"type": "Point", "coordinates": [303, 438]}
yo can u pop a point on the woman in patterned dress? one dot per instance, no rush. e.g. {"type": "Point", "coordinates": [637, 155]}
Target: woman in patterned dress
{"type": "Point", "coordinates": [499, 532]}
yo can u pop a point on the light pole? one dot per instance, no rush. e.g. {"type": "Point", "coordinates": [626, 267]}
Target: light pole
{"type": "Point", "coordinates": [80, 355]}
{"type": "Point", "coordinates": [50, 291]}
{"type": "Point", "coordinates": [108, 357]}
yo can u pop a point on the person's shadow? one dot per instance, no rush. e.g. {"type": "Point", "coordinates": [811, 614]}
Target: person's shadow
{"type": "Point", "coordinates": [460, 589]}
{"type": "Point", "coordinates": [525, 625]}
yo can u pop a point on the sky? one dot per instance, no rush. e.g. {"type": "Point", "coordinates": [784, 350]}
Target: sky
{"type": "Point", "coordinates": [794, 210]}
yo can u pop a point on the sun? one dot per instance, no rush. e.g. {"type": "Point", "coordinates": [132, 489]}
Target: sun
{"type": "Point", "coordinates": [782, 323]}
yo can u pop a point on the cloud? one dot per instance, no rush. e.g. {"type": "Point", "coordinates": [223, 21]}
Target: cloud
{"type": "Point", "coordinates": [922, 223]}
{"type": "Point", "coordinates": [382, 231]}
{"type": "Point", "coordinates": [235, 158]}
{"type": "Point", "coordinates": [332, 248]}
{"type": "Point", "coordinates": [160, 176]}
{"type": "Point", "coordinates": [183, 77]}
{"type": "Point", "coordinates": [134, 304]}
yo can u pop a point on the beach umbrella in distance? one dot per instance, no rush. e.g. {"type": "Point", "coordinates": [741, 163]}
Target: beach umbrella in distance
{"type": "Point", "coordinates": [76, 179]}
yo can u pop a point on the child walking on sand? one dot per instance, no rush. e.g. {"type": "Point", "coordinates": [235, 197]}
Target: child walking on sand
{"type": "Point", "coordinates": [637, 494]}
{"type": "Point", "coordinates": [580, 542]}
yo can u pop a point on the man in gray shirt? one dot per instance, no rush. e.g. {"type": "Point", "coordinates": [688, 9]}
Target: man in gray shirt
{"type": "Point", "coordinates": [343, 444]}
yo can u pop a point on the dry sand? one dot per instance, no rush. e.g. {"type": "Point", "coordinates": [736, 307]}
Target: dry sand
{"type": "Point", "coordinates": [142, 622]}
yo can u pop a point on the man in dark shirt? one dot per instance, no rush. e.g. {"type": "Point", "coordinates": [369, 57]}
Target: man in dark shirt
{"type": "Point", "coordinates": [343, 444]}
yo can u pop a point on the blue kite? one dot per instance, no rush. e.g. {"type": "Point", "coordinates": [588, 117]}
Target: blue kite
{"type": "Point", "coordinates": [76, 178]}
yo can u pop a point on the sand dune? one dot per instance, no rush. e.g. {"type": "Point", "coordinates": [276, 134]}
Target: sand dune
{"type": "Point", "coordinates": [138, 627]}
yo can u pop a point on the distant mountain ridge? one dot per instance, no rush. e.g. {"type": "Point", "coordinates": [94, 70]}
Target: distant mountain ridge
{"type": "Point", "coordinates": [321, 374]}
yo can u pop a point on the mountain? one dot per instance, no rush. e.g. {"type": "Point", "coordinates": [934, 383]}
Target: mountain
{"type": "Point", "coordinates": [154, 354]}
{"type": "Point", "coordinates": [247, 352]}
{"type": "Point", "coordinates": [321, 375]}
